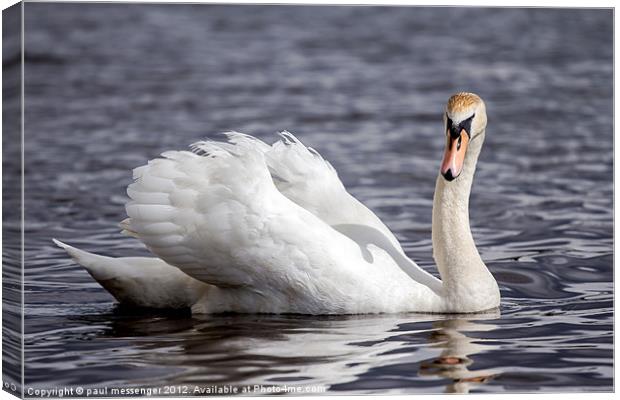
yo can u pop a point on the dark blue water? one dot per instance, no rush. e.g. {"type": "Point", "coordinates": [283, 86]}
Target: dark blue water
{"type": "Point", "coordinates": [110, 86]}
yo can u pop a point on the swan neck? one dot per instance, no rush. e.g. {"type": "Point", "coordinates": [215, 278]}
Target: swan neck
{"type": "Point", "coordinates": [458, 261]}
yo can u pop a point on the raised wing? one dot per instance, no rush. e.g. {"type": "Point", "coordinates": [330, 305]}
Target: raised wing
{"type": "Point", "coordinates": [302, 175]}
{"type": "Point", "coordinates": [219, 218]}
{"type": "Point", "coordinates": [216, 214]}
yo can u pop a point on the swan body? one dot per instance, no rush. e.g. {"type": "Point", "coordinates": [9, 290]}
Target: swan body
{"type": "Point", "coordinates": [243, 226]}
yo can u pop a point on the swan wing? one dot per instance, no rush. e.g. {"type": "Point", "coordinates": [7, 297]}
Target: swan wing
{"type": "Point", "coordinates": [216, 214]}
{"type": "Point", "coordinates": [307, 179]}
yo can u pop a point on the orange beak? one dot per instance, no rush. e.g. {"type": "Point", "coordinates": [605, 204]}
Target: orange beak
{"type": "Point", "coordinates": [453, 158]}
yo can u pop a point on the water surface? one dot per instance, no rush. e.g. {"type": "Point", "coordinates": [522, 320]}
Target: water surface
{"type": "Point", "coordinates": [110, 86]}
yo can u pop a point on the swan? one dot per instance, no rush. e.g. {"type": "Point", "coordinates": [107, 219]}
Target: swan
{"type": "Point", "coordinates": [243, 226]}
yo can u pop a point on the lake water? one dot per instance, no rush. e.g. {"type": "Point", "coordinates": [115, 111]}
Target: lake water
{"type": "Point", "coordinates": [110, 86]}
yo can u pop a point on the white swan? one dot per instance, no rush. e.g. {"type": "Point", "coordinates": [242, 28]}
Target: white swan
{"type": "Point", "coordinates": [246, 227]}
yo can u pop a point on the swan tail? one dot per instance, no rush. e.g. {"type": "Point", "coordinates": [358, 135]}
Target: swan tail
{"type": "Point", "coordinates": [139, 281]}
{"type": "Point", "coordinates": [100, 267]}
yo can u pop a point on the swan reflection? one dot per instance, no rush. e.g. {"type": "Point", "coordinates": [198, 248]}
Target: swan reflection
{"type": "Point", "coordinates": [455, 362]}
{"type": "Point", "coordinates": [354, 353]}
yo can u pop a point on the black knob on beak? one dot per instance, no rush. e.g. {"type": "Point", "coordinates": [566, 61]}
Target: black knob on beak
{"type": "Point", "coordinates": [448, 175]}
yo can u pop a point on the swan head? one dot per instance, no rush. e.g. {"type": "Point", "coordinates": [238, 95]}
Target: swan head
{"type": "Point", "coordinates": [465, 119]}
